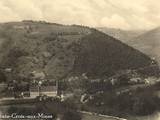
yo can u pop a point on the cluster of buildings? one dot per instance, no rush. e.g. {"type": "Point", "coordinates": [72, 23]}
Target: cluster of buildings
{"type": "Point", "coordinates": [37, 87]}
{"type": "Point", "coordinates": [31, 92]}
{"type": "Point", "coordinates": [50, 91]}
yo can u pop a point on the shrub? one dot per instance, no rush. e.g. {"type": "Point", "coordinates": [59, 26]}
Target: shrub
{"type": "Point", "coordinates": [2, 77]}
{"type": "Point", "coordinates": [145, 106]}
{"type": "Point", "coordinates": [71, 115]}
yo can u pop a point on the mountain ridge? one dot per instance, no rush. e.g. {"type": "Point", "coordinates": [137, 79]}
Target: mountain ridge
{"type": "Point", "coordinates": [123, 35]}
{"type": "Point", "coordinates": [148, 43]}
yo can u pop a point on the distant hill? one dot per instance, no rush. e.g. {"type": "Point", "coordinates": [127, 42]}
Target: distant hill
{"type": "Point", "coordinates": [61, 50]}
{"type": "Point", "coordinates": [148, 43]}
{"type": "Point", "coordinates": [123, 35]}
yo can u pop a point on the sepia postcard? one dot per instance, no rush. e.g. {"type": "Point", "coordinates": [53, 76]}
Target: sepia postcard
{"type": "Point", "coordinates": [79, 60]}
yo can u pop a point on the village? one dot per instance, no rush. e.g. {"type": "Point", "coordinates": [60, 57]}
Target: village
{"type": "Point", "coordinates": [39, 90]}
{"type": "Point", "coordinates": [40, 87]}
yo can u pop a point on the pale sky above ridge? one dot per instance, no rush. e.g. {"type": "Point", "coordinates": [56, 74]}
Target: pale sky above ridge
{"type": "Point", "coordinates": [124, 14]}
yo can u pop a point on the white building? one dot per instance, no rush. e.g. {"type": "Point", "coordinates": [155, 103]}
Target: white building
{"type": "Point", "coordinates": [50, 91]}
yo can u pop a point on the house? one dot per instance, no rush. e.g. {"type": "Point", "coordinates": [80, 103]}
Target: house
{"type": "Point", "coordinates": [50, 91]}
{"type": "Point", "coordinates": [135, 80]}
{"type": "Point", "coordinates": [8, 70]}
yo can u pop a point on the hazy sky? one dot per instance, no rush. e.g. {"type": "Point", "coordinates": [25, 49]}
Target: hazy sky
{"type": "Point", "coordinates": [125, 14]}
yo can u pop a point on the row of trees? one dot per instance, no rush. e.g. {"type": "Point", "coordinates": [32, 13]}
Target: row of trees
{"type": "Point", "coordinates": [66, 110]}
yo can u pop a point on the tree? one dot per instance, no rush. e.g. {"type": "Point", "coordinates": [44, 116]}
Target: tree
{"type": "Point", "coordinates": [123, 79]}
{"type": "Point", "coordinates": [71, 115]}
{"type": "Point", "coordinates": [145, 106]}
{"type": "Point", "coordinates": [2, 77]}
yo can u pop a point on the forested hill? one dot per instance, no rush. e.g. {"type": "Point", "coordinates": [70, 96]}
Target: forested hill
{"type": "Point", "coordinates": [60, 50]}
